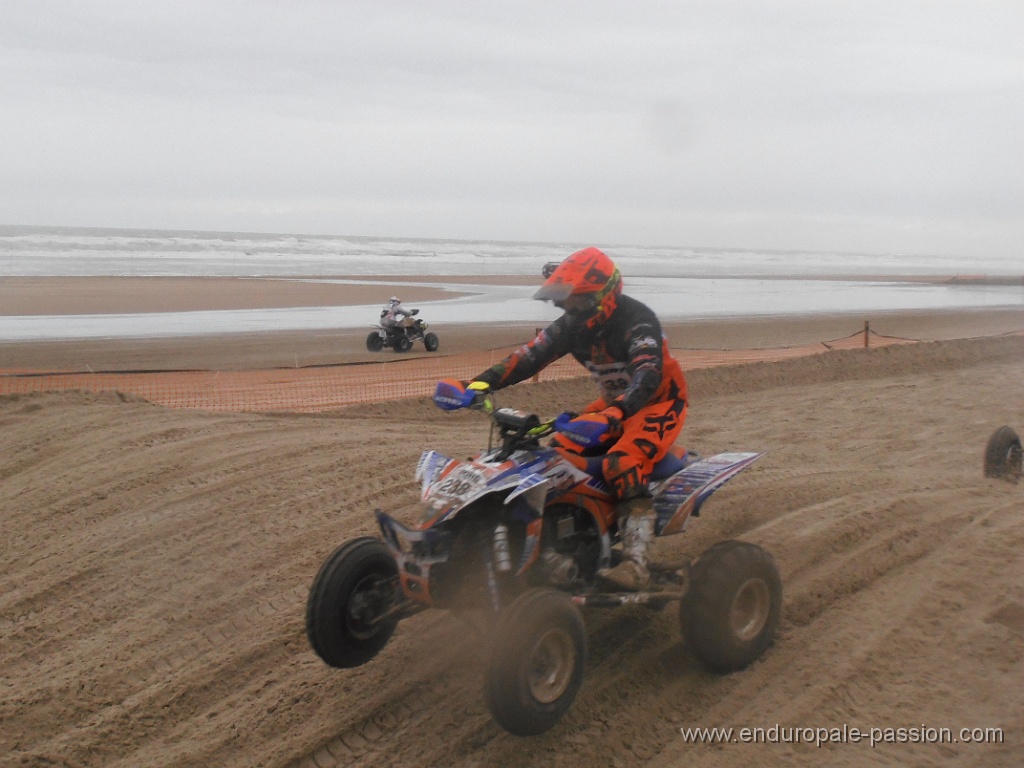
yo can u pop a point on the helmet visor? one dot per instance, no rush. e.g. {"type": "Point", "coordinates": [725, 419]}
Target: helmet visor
{"type": "Point", "coordinates": [556, 292]}
{"type": "Point", "coordinates": [561, 296]}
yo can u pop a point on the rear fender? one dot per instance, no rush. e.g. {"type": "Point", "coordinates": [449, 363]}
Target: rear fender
{"type": "Point", "coordinates": [680, 497]}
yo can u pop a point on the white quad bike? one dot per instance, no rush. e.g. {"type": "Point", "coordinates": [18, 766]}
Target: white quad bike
{"type": "Point", "coordinates": [401, 336]}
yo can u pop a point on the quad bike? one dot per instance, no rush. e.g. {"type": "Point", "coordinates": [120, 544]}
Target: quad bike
{"type": "Point", "coordinates": [549, 268]}
{"type": "Point", "coordinates": [400, 337]}
{"type": "Point", "coordinates": [519, 532]}
{"type": "Point", "coordinates": [1003, 455]}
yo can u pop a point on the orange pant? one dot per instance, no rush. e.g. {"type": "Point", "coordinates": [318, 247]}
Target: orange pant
{"type": "Point", "coordinates": [647, 435]}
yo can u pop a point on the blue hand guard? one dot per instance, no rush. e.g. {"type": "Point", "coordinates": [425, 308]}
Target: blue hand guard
{"type": "Point", "coordinates": [588, 431]}
{"type": "Point", "coordinates": [451, 395]}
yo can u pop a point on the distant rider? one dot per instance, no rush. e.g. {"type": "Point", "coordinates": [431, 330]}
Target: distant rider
{"type": "Point", "coordinates": [643, 403]}
{"type": "Point", "coordinates": [394, 314]}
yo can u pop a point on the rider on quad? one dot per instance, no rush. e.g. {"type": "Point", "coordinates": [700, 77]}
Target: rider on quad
{"type": "Point", "coordinates": [642, 406]}
{"type": "Point", "coordinates": [395, 317]}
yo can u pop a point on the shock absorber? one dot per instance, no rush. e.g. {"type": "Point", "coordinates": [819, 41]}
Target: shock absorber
{"type": "Point", "coordinates": [502, 554]}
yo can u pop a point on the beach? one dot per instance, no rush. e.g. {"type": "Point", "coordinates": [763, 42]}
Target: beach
{"type": "Point", "coordinates": [213, 351]}
{"type": "Point", "coordinates": [157, 560]}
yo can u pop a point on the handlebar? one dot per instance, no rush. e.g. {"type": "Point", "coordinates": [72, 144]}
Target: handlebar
{"type": "Point", "coordinates": [528, 424]}
{"type": "Point", "coordinates": [522, 430]}
{"type": "Point", "coordinates": [517, 429]}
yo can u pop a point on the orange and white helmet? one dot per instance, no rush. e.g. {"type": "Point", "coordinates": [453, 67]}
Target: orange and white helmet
{"type": "Point", "coordinates": [586, 285]}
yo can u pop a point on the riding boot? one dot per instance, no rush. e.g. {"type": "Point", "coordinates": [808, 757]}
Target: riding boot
{"type": "Point", "coordinates": [636, 520]}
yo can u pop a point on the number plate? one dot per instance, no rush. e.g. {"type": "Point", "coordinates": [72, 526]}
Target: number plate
{"type": "Point", "coordinates": [456, 487]}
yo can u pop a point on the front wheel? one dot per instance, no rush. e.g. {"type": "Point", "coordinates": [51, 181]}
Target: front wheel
{"type": "Point", "coordinates": [402, 343]}
{"type": "Point", "coordinates": [348, 613]}
{"type": "Point", "coordinates": [374, 343]}
{"type": "Point", "coordinates": [539, 655]}
{"type": "Point", "coordinates": [431, 342]}
{"type": "Point", "coordinates": [732, 609]}
{"type": "Point", "coordinates": [1003, 455]}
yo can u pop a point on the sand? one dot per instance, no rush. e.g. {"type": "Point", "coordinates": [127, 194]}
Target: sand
{"type": "Point", "coordinates": [155, 565]}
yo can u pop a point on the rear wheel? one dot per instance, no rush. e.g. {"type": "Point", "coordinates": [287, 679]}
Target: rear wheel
{"type": "Point", "coordinates": [536, 670]}
{"type": "Point", "coordinates": [347, 619]}
{"type": "Point", "coordinates": [374, 343]}
{"type": "Point", "coordinates": [1003, 455]}
{"type": "Point", "coordinates": [431, 342]}
{"type": "Point", "coordinates": [732, 609]}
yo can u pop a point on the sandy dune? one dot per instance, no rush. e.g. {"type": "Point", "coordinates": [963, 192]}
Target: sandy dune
{"type": "Point", "coordinates": [155, 563]}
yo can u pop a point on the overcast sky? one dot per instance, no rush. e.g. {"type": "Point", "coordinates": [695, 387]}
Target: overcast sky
{"type": "Point", "coordinates": [889, 126]}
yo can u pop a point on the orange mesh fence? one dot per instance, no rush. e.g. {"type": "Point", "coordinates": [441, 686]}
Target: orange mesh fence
{"type": "Point", "coordinates": [323, 388]}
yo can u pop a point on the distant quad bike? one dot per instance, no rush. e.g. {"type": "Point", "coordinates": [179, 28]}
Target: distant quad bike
{"type": "Point", "coordinates": [1003, 455]}
{"type": "Point", "coordinates": [401, 336]}
{"type": "Point", "coordinates": [549, 269]}
{"type": "Point", "coordinates": [519, 533]}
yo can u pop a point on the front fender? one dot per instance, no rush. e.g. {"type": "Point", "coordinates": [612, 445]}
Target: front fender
{"type": "Point", "coordinates": [449, 486]}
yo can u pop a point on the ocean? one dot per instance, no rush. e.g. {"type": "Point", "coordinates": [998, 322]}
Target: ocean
{"type": "Point", "coordinates": [678, 282]}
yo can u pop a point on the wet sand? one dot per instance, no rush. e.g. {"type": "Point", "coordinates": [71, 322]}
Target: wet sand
{"type": "Point", "coordinates": [302, 348]}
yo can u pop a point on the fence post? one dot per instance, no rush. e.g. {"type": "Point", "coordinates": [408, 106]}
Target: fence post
{"type": "Point", "coordinates": [867, 330]}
